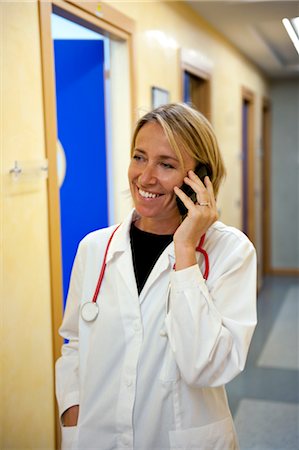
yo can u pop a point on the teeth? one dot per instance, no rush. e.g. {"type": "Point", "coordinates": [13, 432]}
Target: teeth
{"type": "Point", "coordinates": [147, 194]}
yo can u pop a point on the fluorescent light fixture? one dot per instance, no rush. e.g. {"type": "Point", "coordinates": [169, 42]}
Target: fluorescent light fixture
{"type": "Point", "coordinates": [295, 23]}
{"type": "Point", "coordinates": [292, 26]}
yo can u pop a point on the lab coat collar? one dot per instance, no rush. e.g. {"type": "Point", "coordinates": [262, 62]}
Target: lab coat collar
{"type": "Point", "coordinates": [121, 239]}
{"type": "Point", "coordinates": [120, 248]}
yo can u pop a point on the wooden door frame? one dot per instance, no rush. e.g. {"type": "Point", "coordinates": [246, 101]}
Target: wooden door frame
{"type": "Point", "coordinates": [248, 96]}
{"type": "Point", "coordinates": [202, 74]}
{"type": "Point", "coordinates": [108, 21]}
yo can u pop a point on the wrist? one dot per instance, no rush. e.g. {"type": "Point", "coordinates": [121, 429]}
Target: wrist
{"type": "Point", "coordinates": [185, 256]}
{"type": "Point", "coordinates": [183, 248]}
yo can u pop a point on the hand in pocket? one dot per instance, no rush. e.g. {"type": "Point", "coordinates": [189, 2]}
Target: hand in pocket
{"type": "Point", "coordinates": [70, 417]}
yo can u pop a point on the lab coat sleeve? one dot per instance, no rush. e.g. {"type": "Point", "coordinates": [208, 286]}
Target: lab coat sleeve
{"type": "Point", "coordinates": [210, 329]}
{"type": "Point", "coordinates": [67, 366]}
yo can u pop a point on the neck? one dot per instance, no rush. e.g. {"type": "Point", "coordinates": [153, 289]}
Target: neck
{"type": "Point", "coordinates": [157, 226]}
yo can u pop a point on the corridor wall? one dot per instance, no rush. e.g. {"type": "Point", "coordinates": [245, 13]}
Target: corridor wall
{"type": "Point", "coordinates": [285, 176]}
{"type": "Point", "coordinates": [163, 31]}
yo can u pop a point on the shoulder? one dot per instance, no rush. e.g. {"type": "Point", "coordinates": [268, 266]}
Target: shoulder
{"type": "Point", "coordinates": [230, 251]}
{"type": "Point", "coordinates": [96, 235]}
{"type": "Point", "coordinates": [226, 237]}
{"type": "Point", "coordinates": [101, 237]}
{"type": "Point", "coordinates": [96, 239]}
{"type": "Point", "coordinates": [221, 229]}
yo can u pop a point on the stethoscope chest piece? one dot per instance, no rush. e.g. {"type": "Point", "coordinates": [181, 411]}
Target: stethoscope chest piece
{"type": "Point", "coordinates": [89, 311]}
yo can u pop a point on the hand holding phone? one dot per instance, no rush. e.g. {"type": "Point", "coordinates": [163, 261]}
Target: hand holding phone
{"type": "Point", "coordinates": [201, 171]}
{"type": "Point", "coordinates": [198, 217]}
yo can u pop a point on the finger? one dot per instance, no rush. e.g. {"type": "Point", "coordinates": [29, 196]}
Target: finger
{"type": "Point", "coordinates": [207, 186]}
{"type": "Point", "coordinates": [195, 183]}
{"type": "Point", "coordinates": [199, 188]}
{"type": "Point", "coordinates": [185, 198]}
{"type": "Point", "coordinates": [190, 205]}
{"type": "Point", "coordinates": [193, 176]}
{"type": "Point", "coordinates": [210, 189]}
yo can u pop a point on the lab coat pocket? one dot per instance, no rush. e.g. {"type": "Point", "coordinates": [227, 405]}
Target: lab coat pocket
{"type": "Point", "coordinates": [215, 436]}
{"type": "Point", "coordinates": [68, 435]}
{"type": "Point", "coordinates": [170, 371]}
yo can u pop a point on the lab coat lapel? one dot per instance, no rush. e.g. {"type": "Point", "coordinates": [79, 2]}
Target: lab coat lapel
{"type": "Point", "coordinates": [120, 251]}
{"type": "Point", "coordinates": [125, 268]}
{"type": "Point", "coordinates": [165, 263]}
{"type": "Point", "coordinates": [121, 254]}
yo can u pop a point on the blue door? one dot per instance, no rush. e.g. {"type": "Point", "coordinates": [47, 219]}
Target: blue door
{"type": "Point", "coordinates": [79, 71]}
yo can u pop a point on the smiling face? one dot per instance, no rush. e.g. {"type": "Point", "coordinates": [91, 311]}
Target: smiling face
{"type": "Point", "coordinates": [153, 173]}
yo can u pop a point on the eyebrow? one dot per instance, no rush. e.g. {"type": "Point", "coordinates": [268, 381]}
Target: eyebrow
{"type": "Point", "coordinates": [161, 157]}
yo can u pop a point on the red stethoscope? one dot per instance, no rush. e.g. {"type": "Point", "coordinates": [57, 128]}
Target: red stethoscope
{"type": "Point", "coordinates": [90, 309]}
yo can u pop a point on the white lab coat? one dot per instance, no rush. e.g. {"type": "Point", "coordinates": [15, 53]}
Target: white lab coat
{"type": "Point", "coordinates": [146, 378]}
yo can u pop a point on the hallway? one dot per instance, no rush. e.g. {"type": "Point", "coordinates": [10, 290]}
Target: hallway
{"type": "Point", "coordinates": [265, 398]}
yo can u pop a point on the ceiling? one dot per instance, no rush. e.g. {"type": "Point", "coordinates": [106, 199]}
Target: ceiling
{"type": "Point", "coordinates": [255, 28]}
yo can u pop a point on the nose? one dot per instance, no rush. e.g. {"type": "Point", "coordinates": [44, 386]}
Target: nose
{"type": "Point", "coordinates": [148, 176]}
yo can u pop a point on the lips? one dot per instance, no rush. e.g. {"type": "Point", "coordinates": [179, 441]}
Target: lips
{"type": "Point", "coordinates": [146, 194]}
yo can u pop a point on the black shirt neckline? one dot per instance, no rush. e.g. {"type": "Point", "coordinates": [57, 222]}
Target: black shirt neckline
{"type": "Point", "coordinates": [146, 250]}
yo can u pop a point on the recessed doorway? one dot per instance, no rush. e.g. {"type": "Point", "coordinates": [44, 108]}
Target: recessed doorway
{"type": "Point", "coordinates": [196, 89]}
{"type": "Point", "coordinates": [247, 156]}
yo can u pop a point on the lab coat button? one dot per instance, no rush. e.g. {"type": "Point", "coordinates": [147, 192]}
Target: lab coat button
{"type": "Point", "coordinates": [128, 382]}
{"type": "Point", "coordinates": [125, 440]}
{"type": "Point", "coordinates": [136, 325]}
{"type": "Point", "coordinates": [163, 333]}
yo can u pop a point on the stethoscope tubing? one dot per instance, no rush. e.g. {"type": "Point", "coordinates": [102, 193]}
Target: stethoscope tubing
{"type": "Point", "coordinates": [89, 313]}
{"type": "Point", "coordinates": [103, 268]}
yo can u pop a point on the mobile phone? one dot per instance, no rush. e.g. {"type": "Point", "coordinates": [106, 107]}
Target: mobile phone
{"type": "Point", "coordinates": [201, 171]}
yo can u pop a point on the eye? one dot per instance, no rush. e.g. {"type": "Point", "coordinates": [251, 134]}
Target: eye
{"type": "Point", "coordinates": [167, 166]}
{"type": "Point", "coordinates": [137, 157]}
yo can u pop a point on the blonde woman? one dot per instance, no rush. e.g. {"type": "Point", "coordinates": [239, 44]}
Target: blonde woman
{"type": "Point", "coordinates": [170, 324]}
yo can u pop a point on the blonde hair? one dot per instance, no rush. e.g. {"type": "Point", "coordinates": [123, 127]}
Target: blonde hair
{"type": "Point", "coordinates": [187, 130]}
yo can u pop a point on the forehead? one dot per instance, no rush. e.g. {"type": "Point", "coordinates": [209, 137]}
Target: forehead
{"type": "Point", "coordinates": [151, 138]}
{"type": "Point", "coordinates": [150, 134]}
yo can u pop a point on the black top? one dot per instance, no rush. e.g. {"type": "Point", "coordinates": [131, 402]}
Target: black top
{"type": "Point", "coordinates": [146, 249]}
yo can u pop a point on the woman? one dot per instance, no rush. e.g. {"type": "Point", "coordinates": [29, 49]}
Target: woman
{"type": "Point", "coordinates": [177, 306]}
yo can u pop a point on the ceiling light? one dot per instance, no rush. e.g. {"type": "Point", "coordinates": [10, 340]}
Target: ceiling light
{"type": "Point", "coordinates": [295, 23]}
{"type": "Point", "coordinates": [292, 27]}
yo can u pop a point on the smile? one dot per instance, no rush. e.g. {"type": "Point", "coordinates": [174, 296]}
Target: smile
{"type": "Point", "coordinates": [145, 194]}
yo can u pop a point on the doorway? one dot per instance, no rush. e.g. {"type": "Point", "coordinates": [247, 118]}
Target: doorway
{"type": "Point", "coordinates": [81, 58]}
{"type": "Point", "coordinates": [114, 25]}
{"type": "Point", "coordinates": [247, 145]}
{"type": "Point", "coordinates": [120, 30]}
{"type": "Point", "coordinates": [196, 89]}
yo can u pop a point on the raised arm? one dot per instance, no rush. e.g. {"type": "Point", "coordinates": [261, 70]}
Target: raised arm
{"type": "Point", "coordinates": [210, 324]}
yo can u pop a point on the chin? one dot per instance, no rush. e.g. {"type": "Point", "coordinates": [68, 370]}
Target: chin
{"type": "Point", "coordinates": [161, 214]}
{"type": "Point", "coordinates": [146, 212]}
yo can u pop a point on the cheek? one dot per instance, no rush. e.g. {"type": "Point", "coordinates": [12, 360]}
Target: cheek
{"type": "Point", "coordinates": [170, 189]}
{"type": "Point", "coordinates": [131, 172]}
{"type": "Point", "coordinates": [177, 181]}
